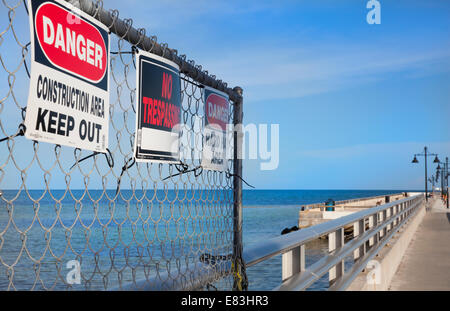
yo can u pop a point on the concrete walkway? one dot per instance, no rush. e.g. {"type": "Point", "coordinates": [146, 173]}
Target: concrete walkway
{"type": "Point", "coordinates": [426, 263]}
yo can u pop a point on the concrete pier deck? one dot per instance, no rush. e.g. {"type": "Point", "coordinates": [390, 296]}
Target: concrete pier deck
{"type": "Point", "coordinates": [426, 263]}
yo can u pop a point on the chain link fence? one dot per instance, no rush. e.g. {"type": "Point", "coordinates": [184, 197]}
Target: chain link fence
{"type": "Point", "coordinates": [128, 225]}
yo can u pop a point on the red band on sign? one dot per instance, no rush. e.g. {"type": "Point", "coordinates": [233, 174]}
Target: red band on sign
{"type": "Point", "coordinates": [71, 43]}
{"type": "Point", "coordinates": [217, 111]}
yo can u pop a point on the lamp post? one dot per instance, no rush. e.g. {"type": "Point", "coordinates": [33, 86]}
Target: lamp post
{"type": "Point", "coordinates": [446, 179]}
{"type": "Point", "coordinates": [425, 154]}
{"type": "Point", "coordinates": [439, 170]}
{"type": "Point", "coordinates": [438, 174]}
{"type": "Point", "coordinates": [444, 172]}
{"type": "Point", "coordinates": [432, 181]}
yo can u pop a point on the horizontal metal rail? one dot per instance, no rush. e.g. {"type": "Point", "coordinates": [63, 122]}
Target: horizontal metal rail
{"type": "Point", "coordinates": [184, 278]}
{"type": "Point", "coordinates": [372, 229]}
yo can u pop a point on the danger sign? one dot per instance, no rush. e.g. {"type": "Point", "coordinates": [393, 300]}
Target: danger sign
{"type": "Point", "coordinates": [68, 102]}
{"type": "Point", "coordinates": [217, 113]}
{"type": "Point", "coordinates": [158, 103]}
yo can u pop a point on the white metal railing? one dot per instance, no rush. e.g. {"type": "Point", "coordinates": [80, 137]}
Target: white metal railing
{"type": "Point", "coordinates": [372, 229]}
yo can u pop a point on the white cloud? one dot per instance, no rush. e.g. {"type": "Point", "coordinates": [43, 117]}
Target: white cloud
{"type": "Point", "coordinates": [281, 67]}
{"type": "Point", "coordinates": [291, 72]}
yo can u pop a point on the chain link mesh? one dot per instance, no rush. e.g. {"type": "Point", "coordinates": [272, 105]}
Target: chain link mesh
{"type": "Point", "coordinates": [126, 223]}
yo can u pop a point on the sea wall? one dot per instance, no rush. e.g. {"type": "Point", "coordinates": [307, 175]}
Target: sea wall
{"type": "Point", "coordinates": [314, 214]}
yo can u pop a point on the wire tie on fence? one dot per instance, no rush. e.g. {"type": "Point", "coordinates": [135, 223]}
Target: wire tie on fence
{"type": "Point", "coordinates": [198, 170]}
{"type": "Point", "coordinates": [128, 164]}
{"type": "Point", "coordinates": [20, 132]}
{"type": "Point", "coordinates": [183, 165]}
{"type": "Point", "coordinates": [196, 84]}
{"type": "Point", "coordinates": [229, 174]}
{"type": "Point", "coordinates": [110, 160]}
{"type": "Point", "coordinates": [23, 112]}
{"type": "Point", "coordinates": [126, 52]}
{"type": "Point", "coordinates": [133, 51]}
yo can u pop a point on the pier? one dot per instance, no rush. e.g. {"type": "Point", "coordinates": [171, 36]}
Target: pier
{"type": "Point", "coordinates": [400, 245]}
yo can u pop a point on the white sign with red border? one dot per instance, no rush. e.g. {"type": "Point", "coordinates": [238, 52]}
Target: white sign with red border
{"type": "Point", "coordinates": [217, 113]}
{"type": "Point", "coordinates": [68, 102]}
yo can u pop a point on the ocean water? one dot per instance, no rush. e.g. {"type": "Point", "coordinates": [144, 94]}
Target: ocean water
{"type": "Point", "coordinates": [266, 213]}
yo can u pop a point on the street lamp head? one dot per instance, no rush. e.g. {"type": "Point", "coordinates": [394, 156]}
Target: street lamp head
{"type": "Point", "coordinates": [415, 160]}
{"type": "Point", "coordinates": [438, 167]}
{"type": "Point", "coordinates": [436, 160]}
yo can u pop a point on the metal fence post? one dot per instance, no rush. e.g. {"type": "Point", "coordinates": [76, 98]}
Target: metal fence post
{"type": "Point", "coordinates": [239, 277]}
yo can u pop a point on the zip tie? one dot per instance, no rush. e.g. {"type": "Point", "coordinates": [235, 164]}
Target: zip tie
{"type": "Point", "coordinates": [110, 160]}
{"type": "Point", "coordinates": [124, 168]}
{"type": "Point", "coordinates": [197, 170]}
{"type": "Point", "coordinates": [20, 132]}
{"type": "Point", "coordinates": [229, 174]}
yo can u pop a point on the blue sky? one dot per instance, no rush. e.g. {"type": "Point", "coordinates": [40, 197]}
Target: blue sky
{"type": "Point", "coordinates": [354, 101]}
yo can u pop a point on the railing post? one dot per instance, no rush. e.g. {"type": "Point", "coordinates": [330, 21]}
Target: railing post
{"type": "Point", "coordinates": [394, 214]}
{"type": "Point", "coordinates": [359, 228]}
{"type": "Point", "coordinates": [293, 262]}
{"type": "Point", "coordinates": [239, 276]}
{"type": "Point", "coordinates": [336, 241]}
{"type": "Point", "coordinates": [402, 207]}
{"type": "Point", "coordinates": [383, 217]}
{"type": "Point", "coordinates": [389, 213]}
{"type": "Point", "coordinates": [405, 214]}
{"type": "Point", "coordinates": [373, 222]}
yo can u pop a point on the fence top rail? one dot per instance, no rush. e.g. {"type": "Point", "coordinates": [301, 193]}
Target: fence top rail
{"type": "Point", "coordinates": [138, 38]}
{"type": "Point", "coordinates": [281, 244]}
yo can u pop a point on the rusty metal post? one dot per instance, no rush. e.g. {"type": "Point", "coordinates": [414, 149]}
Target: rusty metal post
{"type": "Point", "coordinates": [240, 279]}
